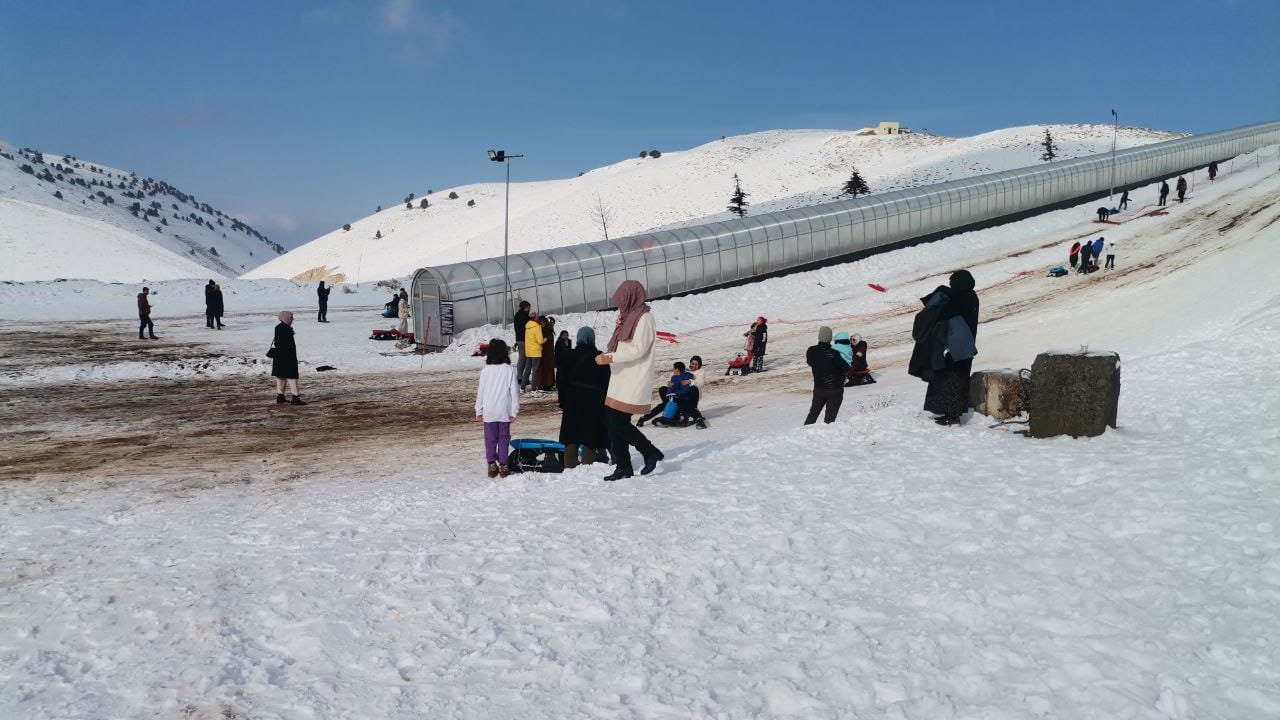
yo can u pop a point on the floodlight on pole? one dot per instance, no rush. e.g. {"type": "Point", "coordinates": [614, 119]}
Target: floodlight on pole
{"type": "Point", "coordinates": [1114, 135]}
{"type": "Point", "coordinates": [502, 157]}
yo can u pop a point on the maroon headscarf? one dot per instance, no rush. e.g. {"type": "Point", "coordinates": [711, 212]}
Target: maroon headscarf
{"type": "Point", "coordinates": [629, 299]}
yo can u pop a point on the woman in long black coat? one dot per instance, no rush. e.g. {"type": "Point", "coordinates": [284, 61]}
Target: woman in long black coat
{"type": "Point", "coordinates": [284, 360]}
{"type": "Point", "coordinates": [583, 385]}
{"type": "Point", "coordinates": [943, 355]}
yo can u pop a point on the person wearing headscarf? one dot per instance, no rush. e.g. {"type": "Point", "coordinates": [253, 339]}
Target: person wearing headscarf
{"type": "Point", "coordinates": [209, 303]}
{"type": "Point", "coordinates": [582, 386]}
{"type": "Point", "coordinates": [945, 333]}
{"type": "Point", "coordinates": [284, 360]}
{"type": "Point", "coordinates": [630, 353]}
{"type": "Point", "coordinates": [322, 297]}
{"type": "Point", "coordinates": [402, 310]}
{"type": "Point", "coordinates": [547, 369]}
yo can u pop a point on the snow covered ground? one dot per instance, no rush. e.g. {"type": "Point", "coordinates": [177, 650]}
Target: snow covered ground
{"type": "Point", "coordinates": [778, 168]}
{"type": "Point", "coordinates": [880, 567]}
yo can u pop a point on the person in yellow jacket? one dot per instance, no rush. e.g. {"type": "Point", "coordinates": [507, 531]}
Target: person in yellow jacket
{"type": "Point", "coordinates": [532, 348]}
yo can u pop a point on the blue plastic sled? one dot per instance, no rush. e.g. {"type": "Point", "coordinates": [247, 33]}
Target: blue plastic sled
{"type": "Point", "coordinates": [536, 455]}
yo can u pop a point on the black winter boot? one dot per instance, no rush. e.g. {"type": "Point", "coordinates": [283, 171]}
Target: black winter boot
{"type": "Point", "coordinates": [279, 398]}
{"type": "Point", "coordinates": [296, 401]}
{"type": "Point", "coordinates": [651, 461]}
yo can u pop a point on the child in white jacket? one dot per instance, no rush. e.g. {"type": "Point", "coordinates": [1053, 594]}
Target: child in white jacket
{"type": "Point", "coordinates": [497, 405]}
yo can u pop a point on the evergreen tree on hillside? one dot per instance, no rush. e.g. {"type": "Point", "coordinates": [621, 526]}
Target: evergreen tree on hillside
{"type": "Point", "coordinates": [1050, 149]}
{"type": "Point", "coordinates": [738, 200]}
{"type": "Point", "coordinates": [855, 185]}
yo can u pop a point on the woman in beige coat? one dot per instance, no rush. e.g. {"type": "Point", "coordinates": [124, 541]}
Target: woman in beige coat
{"type": "Point", "coordinates": [630, 357]}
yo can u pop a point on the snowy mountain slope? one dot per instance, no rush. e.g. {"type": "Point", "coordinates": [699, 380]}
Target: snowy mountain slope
{"type": "Point", "coordinates": [53, 207]}
{"type": "Point", "coordinates": [778, 168]}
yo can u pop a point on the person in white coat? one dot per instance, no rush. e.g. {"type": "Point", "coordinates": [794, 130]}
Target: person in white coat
{"type": "Point", "coordinates": [1111, 254]}
{"type": "Point", "coordinates": [630, 354]}
{"type": "Point", "coordinates": [402, 310]}
{"type": "Point", "coordinates": [497, 405]}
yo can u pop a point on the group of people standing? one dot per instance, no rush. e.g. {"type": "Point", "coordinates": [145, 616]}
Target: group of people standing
{"type": "Point", "coordinates": [599, 390]}
{"type": "Point", "coordinates": [1084, 256]}
{"type": "Point", "coordinates": [541, 350]}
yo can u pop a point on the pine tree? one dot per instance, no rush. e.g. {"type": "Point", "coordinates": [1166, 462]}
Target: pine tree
{"type": "Point", "coordinates": [738, 201]}
{"type": "Point", "coordinates": [855, 186]}
{"type": "Point", "coordinates": [1050, 149]}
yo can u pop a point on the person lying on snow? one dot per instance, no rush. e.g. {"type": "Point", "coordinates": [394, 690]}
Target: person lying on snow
{"type": "Point", "coordinates": [684, 387]}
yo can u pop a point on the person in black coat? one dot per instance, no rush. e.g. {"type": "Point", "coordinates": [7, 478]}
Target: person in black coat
{"type": "Point", "coordinates": [519, 323]}
{"type": "Point", "coordinates": [759, 340]}
{"type": "Point", "coordinates": [1164, 191]}
{"type": "Point", "coordinates": [284, 360]}
{"type": "Point", "coordinates": [208, 304]}
{"type": "Point", "coordinates": [945, 332]}
{"type": "Point", "coordinates": [217, 305]}
{"type": "Point", "coordinates": [322, 297]}
{"type": "Point", "coordinates": [1182, 189]}
{"type": "Point", "coordinates": [582, 387]}
{"type": "Point", "coordinates": [829, 370]}
{"type": "Point", "coordinates": [1124, 200]}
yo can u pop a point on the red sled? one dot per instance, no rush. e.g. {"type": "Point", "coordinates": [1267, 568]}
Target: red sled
{"type": "Point", "coordinates": [481, 350]}
{"type": "Point", "coordinates": [392, 334]}
{"type": "Point", "coordinates": [740, 365]}
{"type": "Point", "coordinates": [669, 337]}
{"type": "Point", "coordinates": [876, 287]}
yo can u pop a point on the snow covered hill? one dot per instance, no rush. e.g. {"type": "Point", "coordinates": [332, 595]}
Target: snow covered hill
{"type": "Point", "coordinates": [779, 169]}
{"type": "Point", "coordinates": [63, 217]}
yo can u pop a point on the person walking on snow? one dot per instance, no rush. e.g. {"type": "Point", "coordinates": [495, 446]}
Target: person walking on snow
{"type": "Point", "coordinates": [497, 405]}
{"type": "Point", "coordinates": [402, 310]}
{"type": "Point", "coordinates": [1164, 191]}
{"type": "Point", "coordinates": [1074, 255]}
{"type": "Point", "coordinates": [531, 345]}
{"type": "Point", "coordinates": [829, 370]}
{"type": "Point", "coordinates": [284, 360]}
{"type": "Point", "coordinates": [217, 305]}
{"type": "Point", "coordinates": [322, 298]}
{"type": "Point", "coordinates": [1124, 200]}
{"type": "Point", "coordinates": [144, 315]}
{"type": "Point", "coordinates": [1182, 189]}
{"type": "Point", "coordinates": [1213, 170]}
{"type": "Point", "coordinates": [630, 354]}
{"type": "Point", "coordinates": [1086, 253]}
{"type": "Point", "coordinates": [1111, 254]}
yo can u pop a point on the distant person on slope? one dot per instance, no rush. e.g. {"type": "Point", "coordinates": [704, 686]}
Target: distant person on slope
{"type": "Point", "coordinates": [945, 331]}
{"type": "Point", "coordinates": [1074, 255]}
{"type": "Point", "coordinates": [284, 360]}
{"type": "Point", "coordinates": [1111, 254]}
{"type": "Point", "coordinates": [322, 297]}
{"type": "Point", "coordinates": [497, 405]}
{"type": "Point", "coordinates": [1164, 191]}
{"type": "Point", "coordinates": [1182, 189]}
{"type": "Point", "coordinates": [1213, 170]}
{"type": "Point", "coordinates": [630, 354]}
{"type": "Point", "coordinates": [1103, 213]}
{"type": "Point", "coordinates": [829, 370]}
{"type": "Point", "coordinates": [1124, 200]}
{"type": "Point", "coordinates": [1086, 252]}
{"type": "Point", "coordinates": [402, 311]}
{"type": "Point", "coordinates": [208, 304]}
{"type": "Point", "coordinates": [759, 338]}
{"type": "Point", "coordinates": [217, 305]}
{"type": "Point", "coordinates": [144, 315]}
{"type": "Point", "coordinates": [546, 377]}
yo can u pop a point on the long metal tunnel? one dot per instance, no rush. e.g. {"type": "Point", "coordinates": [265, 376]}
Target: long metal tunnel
{"type": "Point", "coordinates": [580, 278]}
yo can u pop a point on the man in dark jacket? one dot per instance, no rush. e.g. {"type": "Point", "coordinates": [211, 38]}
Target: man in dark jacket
{"type": "Point", "coordinates": [1182, 189]}
{"type": "Point", "coordinates": [322, 297]}
{"type": "Point", "coordinates": [1164, 191]}
{"type": "Point", "coordinates": [829, 369]}
{"type": "Point", "coordinates": [208, 304]}
{"type": "Point", "coordinates": [1124, 200]}
{"type": "Point", "coordinates": [144, 315]}
{"type": "Point", "coordinates": [759, 340]}
{"type": "Point", "coordinates": [521, 320]}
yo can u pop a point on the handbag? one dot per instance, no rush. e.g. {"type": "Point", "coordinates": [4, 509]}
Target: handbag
{"type": "Point", "coordinates": [271, 351]}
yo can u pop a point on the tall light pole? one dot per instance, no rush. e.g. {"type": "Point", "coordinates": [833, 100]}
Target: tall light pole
{"type": "Point", "coordinates": [503, 156]}
{"type": "Point", "coordinates": [1115, 134]}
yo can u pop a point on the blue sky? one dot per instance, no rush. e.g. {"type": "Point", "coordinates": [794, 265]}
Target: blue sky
{"type": "Point", "coordinates": [303, 115]}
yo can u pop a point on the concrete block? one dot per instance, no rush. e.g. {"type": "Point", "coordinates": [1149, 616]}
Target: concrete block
{"type": "Point", "coordinates": [1074, 393]}
{"type": "Point", "coordinates": [998, 393]}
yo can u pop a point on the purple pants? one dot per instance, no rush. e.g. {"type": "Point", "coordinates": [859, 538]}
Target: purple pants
{"type": "Point", "coordinates": [497, 441]}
